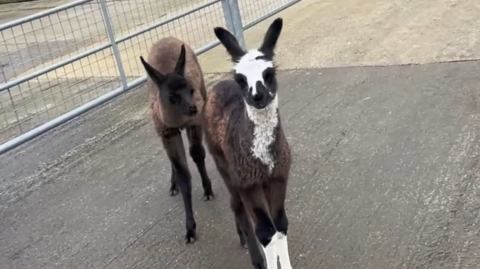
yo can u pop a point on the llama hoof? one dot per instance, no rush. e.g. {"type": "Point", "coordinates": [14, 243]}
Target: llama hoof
{"type": "Point", "coordinates": [242, 242]}
{"type": "Point", "coordinates": [173, 190]}
{"type": "Point", "coordinates": [258, 261]}
{"type": "Point", "coordinates": [208, 195]}
{"type": "Point", "coordinates": [191, 237]}
{"type": "Point", "coordinates": [259, 265]}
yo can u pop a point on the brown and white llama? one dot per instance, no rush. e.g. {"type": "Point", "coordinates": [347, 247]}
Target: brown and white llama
{"type": "Point", "coordinates": [177, 97]}
{"type": "Point", "coordinates": [245, 138]}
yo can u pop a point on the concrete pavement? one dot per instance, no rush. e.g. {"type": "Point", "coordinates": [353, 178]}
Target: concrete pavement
{"type": "Point", "coordinates": [386, 161]}
{"type": "Point", "coordinates": [385, 158]}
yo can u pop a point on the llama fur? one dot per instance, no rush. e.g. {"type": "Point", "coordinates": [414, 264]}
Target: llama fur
{"type": "Point", "coordinates": [177, 95]}
{"type": "Point", "coordinates": [245, 138]}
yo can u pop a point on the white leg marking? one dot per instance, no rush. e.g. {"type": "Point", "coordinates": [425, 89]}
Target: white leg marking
{"type": "Point", "coordinates": [282, 250]}
{"type": "Point", "coordinates": [271, 253]}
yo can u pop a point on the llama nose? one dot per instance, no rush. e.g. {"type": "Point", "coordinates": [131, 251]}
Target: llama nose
{"type": "Point", "coordinates": [258, 96]}
{"type": "Point", "coordinates": [193, 110]}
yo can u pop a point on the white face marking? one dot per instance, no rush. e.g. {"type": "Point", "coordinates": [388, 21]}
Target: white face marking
{"type": "Point", "coordinates": [252, 69]}
{"type": "Point", "coordinates": [265, 121]}
{"type": "Point", "coordinates": [277, 248]}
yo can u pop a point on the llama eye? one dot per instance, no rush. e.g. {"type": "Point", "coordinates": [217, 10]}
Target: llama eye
{"type": "Point", "coordinates": [191, 91]}
{"type": "Point", "coordinates": [268, 77]}
{"type": "Point", "coordinates": [173, 99]}
{"type": "Point", "coordinates": [242, 82]}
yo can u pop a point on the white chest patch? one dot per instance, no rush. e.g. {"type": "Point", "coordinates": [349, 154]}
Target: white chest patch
{"type": "Point", "coordinates": [265, 121]}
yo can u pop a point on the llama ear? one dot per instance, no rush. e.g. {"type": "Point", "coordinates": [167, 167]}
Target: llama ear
{"type": "Point", "coordinates": [271, 37]}
{"type": "Point", "coordinates": [230, 43]}
{"type": "Point", "coordinates": [153, 73]}
{"type": "Point", "coordinates": [180, 67]}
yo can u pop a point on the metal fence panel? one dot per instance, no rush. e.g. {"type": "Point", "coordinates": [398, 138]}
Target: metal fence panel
{"type": "Point", "coordinates": [60, 63]}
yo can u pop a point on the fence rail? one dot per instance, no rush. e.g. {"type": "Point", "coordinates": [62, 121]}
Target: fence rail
{"type": "Point", "coordinates": [62, 62]}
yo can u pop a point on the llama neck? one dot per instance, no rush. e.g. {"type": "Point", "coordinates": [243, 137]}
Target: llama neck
{"type": "Point", "coordinates": [264, 121]}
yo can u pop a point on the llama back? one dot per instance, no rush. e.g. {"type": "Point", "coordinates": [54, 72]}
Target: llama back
{"type": "Point", "coordinates": [224, 104]}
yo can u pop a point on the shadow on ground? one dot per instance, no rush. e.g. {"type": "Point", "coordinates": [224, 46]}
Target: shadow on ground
{"type": "Point", "coordinates": [384, 176]}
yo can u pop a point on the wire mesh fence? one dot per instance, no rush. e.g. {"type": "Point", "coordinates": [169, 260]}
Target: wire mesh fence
{"type": "Point", "coordinates": [64, 61]}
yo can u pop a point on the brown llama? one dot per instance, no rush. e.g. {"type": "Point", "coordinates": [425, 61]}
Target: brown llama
{"type": "Point", "coordinates": [244, 135]}
{"type": "Point", "coordinates": [177, 98]}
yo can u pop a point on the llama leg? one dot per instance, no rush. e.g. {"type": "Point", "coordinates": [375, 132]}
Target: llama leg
{"type": "Point", "coordinates": [276, 196]}
{"type": "Point", "coordinates": [235, 204]}
{"type": "Point", "coordinates": [240, 234]}
{"type": "Point", "coordinates": [173, 186]}
{"type": "Point", "coordinates": [255, 203]}
{"type": "Point", "coordinates": [237, 208]}
{"type": "Point", "coordinates": [173, 144]}
{"type": "Point", "coordinates": [197, 152]}
{"type": "Point", "coordinates": [246, 233]}
{"type": "Point", "coordinates": [244, 227]}
{"type": "Point", "coordinates": [165, 133]}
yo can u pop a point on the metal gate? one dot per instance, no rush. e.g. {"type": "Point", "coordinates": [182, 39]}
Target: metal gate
{"type": "Point", "coordinates": [62, 62]}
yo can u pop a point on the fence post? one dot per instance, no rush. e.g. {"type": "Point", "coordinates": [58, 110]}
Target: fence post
{"type": "Point", "coordinates": [233, 18]}
{"type": "Point", "coordinates": [113, 44]}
